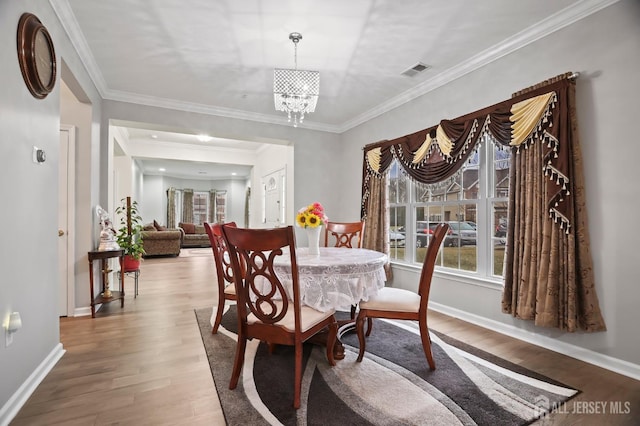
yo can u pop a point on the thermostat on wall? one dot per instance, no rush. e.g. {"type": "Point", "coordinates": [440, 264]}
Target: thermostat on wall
{"type": "Point", "coordinates": [39, 155]}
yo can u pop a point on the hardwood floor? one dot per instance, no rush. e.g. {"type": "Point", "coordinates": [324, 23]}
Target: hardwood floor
{"type": "Point", "coordinates": [145, 364]}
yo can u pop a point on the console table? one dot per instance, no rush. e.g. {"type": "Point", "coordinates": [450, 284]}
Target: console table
{"type": "Point", "coordinates": [101, 298]}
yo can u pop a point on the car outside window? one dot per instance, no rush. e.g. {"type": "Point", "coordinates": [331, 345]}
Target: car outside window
{"type": "Point", "coordinates": [474, 204]}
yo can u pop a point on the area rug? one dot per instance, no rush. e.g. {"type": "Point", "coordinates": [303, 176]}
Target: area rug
{"type": "Point", "coordinates": [392, 386]}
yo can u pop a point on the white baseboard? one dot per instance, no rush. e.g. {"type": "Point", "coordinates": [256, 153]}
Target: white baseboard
{"type": "Point", "coordinates": [616, 365]}
{"type": "Point", "coordinates": [17, 400]}
{"type": "Point", "coordinates": [82, 312]}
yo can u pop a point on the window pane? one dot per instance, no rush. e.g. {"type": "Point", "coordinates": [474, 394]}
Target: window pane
{"type": "Point", "coordinates": [397, 184]}
{"type": "Point", "coordinates": [464, 257]}
{"type": "Point", "coordinates": [200, 203]}
{"type": "Point", "coordinates": [431, 193]}
{"type": "Point", "coordinates": [502, 163]}
{"type": "Point", "coordinates": [397, 231]}
{"type": "Point", "coordinates": [500, 221]}
{"type": "Point", "coordinates": [470, 177]}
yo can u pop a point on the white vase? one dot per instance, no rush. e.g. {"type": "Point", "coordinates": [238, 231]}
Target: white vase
{"type": "Point", "coordinates": [313, 239]}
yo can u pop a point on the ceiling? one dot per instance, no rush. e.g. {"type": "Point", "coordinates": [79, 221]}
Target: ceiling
{"type": "Point", "coordinates": [199, 170]}
{"type": "Point", "coordinates": [217, 56]}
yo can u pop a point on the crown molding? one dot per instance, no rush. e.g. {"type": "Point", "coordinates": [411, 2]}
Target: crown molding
{"type": "Point", "coordinates": [154, 101]}
{"type": "Point", "coordinates": [553, 23]}
{"type": "Point", "coordinates": [68, 20]}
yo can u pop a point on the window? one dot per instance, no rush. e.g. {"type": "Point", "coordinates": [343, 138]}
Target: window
{"type": "Point", "coordinates": [221, 206]}
{"type": "Point", "coordinates": [207, 206]}
{"type": "Point", "coordinates": [474, 204]}
{"type": "Point", "coordinates": [200, 207]}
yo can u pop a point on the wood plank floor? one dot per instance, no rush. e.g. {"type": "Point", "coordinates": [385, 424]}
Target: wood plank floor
{"type": "Point", "coordinates": [145, 364]}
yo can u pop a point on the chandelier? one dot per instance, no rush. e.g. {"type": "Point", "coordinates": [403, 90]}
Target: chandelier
{"type": "Point", "coordinates": [295, 91]}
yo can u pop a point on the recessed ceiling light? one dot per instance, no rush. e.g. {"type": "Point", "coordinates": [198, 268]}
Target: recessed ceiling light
{"type": "Point", "coordinates": [233, 174]}
{"type": "Point", "coordinates": [204, 138]}
{"type": "Point", "coordinates": [162, 169]}
{"type": "Point", "coordinates": [154, 136]}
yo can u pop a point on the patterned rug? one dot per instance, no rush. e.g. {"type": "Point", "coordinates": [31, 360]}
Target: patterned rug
{"type": "Point", "coordinates": [392, 386]}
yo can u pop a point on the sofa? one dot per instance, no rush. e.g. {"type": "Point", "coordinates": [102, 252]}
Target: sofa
{"type": "Point", "coordinates": [194, 235]}
{"type": "Point", "coordinates": [160, 241]}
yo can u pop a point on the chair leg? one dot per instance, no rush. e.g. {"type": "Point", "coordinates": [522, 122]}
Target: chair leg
{"type": "Point", "coordinates": [369, 326]}
{"type": "Point", "coordinates": [216, 323]}
{"type": "Point", "coordinates": [353, 311]}
{"type": "Point", "coordinates": [331, 342]}
{"type": "Point", "coordinates": [360, 330]}
{"type": "Point", "coordinates": [239, 360]}
{"type": "Point", "coordinates": [298, 376]}
{"type": "Point", "coordinates": [426, 344]}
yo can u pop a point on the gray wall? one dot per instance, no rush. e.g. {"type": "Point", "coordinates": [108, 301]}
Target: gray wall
{"type": "Point", "coordinates": [28, 257]}
{"type": "Point", "coordinates": [605, 49]}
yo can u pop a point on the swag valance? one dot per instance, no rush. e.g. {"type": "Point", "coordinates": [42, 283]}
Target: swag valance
{"type": "Point", "coordinates": [548, 272]}
{"type": "Point", "coordinates": [436, 153]}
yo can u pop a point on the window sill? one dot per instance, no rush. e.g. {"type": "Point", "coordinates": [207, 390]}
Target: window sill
{"type": "Point", "coordinates": [451, 275]}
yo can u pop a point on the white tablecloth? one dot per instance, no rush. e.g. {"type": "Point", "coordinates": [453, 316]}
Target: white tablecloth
{"type": "Point", "coordinates": [336, 279]}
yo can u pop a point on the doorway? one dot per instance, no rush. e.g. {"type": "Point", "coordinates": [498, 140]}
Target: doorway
{"type": "Point", "coordinates": [274, 187]}
{"type": "Point", "coordinates": [66, 234]}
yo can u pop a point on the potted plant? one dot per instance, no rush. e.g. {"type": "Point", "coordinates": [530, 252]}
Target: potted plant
{"type": "Point", "coordinates": [129, 236]}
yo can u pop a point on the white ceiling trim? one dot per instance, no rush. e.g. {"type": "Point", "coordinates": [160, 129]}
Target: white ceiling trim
{"type": "Point", "coordinates": [70, 25]}
{"type": "Point", "coordinates": [117, 95]}
{"type": "Point", "coordinates": [541, 29]}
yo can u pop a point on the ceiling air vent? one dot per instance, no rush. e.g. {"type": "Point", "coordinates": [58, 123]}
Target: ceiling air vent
{"type": "Point", "coordinates": [416, 69]}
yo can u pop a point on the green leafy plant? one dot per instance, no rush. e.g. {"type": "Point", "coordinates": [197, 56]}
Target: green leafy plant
{"type": "Point", "coordinates": [129, 236]}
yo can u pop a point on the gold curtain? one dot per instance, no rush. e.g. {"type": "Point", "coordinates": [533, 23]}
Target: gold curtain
{"type": "Point", "coordinates": [171, 208]}
{"type": "Point", "coordinates": [548, 271]}
{"type": "Point", "coordinates": [211, 215]}
{"type": "Point", "coordinates": [376, 235]}
{"type": "Point", "coordinates": [187, 205]}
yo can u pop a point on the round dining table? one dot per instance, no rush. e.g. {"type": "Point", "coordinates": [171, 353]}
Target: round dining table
{"type": "Point", "coordinates": [337, 278]}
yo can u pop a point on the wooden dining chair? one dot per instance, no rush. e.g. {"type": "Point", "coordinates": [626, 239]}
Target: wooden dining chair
{"type": "Point", "coordinates": [344, 234]}
{"type": "Point", "coordinates": [264, 310]}
{"type": "Point", "coordinates": [224, 272]}
{"type": "Point", "coordinates": [397, 303]}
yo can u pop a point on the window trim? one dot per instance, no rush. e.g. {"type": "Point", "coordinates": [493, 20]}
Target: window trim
{"type": "Point", "coordinates": [449, 274]}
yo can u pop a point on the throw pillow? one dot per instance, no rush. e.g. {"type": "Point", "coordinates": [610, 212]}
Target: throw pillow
{"type": "Point", "coordinates": [158, 226]}
{"type": "Point", "coordinates": [149, 227]}
{"type": "Point", "coordinates": [189, 228]}
{"type": "Point", "coordinates": [199, 229]}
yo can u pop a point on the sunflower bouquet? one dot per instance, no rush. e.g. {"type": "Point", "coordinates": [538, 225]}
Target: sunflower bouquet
{"type": "Point", "coordinates": [311, 216]}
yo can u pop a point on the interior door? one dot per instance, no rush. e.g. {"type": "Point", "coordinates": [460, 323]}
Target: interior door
{"type": "Point", "coordinates": [66, 201]}
{"type": "Point", "coordinates": [274, 189]}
